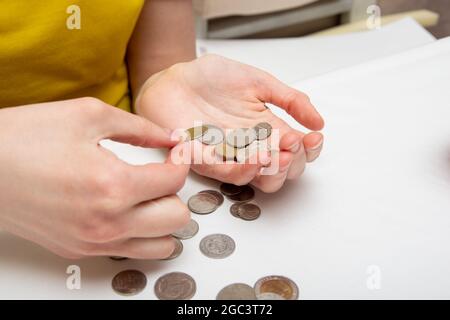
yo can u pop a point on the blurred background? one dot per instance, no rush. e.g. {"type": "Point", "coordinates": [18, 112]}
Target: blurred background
{"type": "Point", "coordinates": [253, 19]}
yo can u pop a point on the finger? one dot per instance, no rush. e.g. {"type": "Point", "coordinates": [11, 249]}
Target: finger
{"type": "Point", "coordinates": [156, 180]}
{"type": "Point", "coordinates": [274, 181]}
{"type": "Point", "coordinates": [155, 218]}
{"type": "Point", "coordinates": [298, 164]}
{"type": "Point", "coordinates": [125, 127]}
{"type": "Point", "coordinates": [296, 103]}
{"type": "Point", "coordinates": [237, 173]}
{"type": "Point", "coordinates": [140, 248]}
{"type": "Point", "coordinates": [291, 141]}
{"type": "Point", "coordinates": [313, 143]}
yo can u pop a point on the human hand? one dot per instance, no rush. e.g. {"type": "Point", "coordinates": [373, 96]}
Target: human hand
{"type": "Point", "coordinates": [62, 190]}
{"type": "Point", "coordinates": [228, 94]}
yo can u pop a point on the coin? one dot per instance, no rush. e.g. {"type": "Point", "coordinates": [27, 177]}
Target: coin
{"type": "Point", "coordinates": [217, 246]}
{"type": "Point", "coordinates": [214, 135]}
{"type": "Point", "coordinates": [237, 291]}
{"type": "Point", "coordinates": [177, 251]}
{"type": "Point", "coordinates": [188, 231]}
{"type": "Point", "coordinates": [225, 152]}
{"type": "Point", "coordinates": [217, 194]}
{"type": "Point", "coordinates": [249, 211]}
{"type": "Point", "coordinates": [116, 258]}
{"type": "Point", "coordinates": [247, 193]}
{"type": "Point", "coordinates": [240, 138]}
{"type": "Point", "coordinates": [129, 282]}
{"type": "Point", "coordinates": [263, 130]}
{"type": "Point", "coordinates": [203, 203]}
{"type": "Point", "coordinates": [175, 286]}
{"type": "Point", "coordinates": [282, 286]}
{"type": "Point", "coordinates": [229, 189]}
{"type": "Point", "coordinates": [195, 132]}
{"type": "Point", "coordinates": [234, 210]}
{"type": "Point", "coordinates": [270, 296]}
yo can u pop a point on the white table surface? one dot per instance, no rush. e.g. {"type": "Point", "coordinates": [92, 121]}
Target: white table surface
{"type": "Point", "coordinates": [378, 196]}
{"type": "Point", "coordinates": [295, 59]}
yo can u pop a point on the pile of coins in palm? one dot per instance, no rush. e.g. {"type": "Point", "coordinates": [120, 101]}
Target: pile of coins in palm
{"type": "Point", "coordinates": [238, 146]}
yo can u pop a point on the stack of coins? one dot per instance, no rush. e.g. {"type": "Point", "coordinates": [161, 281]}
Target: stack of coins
{"type": "Point", "coordinates": [241, 196]}
{"type": "Point", "coordinates": [205, 202]}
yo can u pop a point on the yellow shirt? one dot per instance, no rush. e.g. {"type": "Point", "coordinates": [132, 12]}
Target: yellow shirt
{"type": "Point", "coordinates": [59, 49]}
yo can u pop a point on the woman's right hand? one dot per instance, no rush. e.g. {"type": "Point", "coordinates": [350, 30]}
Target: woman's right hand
{"type": "Point", "coordinates": [62, 190]}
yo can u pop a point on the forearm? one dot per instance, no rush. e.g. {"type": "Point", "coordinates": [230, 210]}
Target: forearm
{"type": "Point", "coordinates": [164, 35]}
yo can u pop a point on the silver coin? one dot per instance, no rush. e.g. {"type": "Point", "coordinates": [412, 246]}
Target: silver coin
{"type": "Point", "coordinates": [247, 194]}
{"type": "Point", "coordinates": [280, 285]}
{"type": "Point", "coordinates": [177, 251]}
{"type": "Point", "coordinates": [254, 148]}
{"type": "Point", "coordinates": [217, 246]}
{"type": "Point", "coordinates": [263, 130]}
{"type": "Point", "coordinates": [240, 138]}
{"type": "Point", "coordinates": [269, 296]}
{"type": "Point", "coordinates": [214, 135]}
{"type": "Point", "coordinates": [249, 211]}
{"type": "Point", "coordinates": [216, 194]}
{"type": "Point", "coordinates": [195, 132]}
{"type": "Point", "coordinates": [129, 282]}
{"type": "Point", "coordinates": [175, 286]}
{"type": "Point", "coordinates": [225, 152]}
{"type": "Point", "coordinates": [203, 203]}
{"type": "Point", "coordinates": [188, 231]}
{"type": "Point", "coordinates": [237, 291]}
{"type": "Point", "coordinates": [234, 210]}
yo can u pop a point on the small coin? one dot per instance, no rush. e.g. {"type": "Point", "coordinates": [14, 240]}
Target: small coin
{"type": "Point", "coordinates": [195, 132]}
{"type": "Point", "coordinates": [129, 282]}
{"type": "Point", "coordinates": [116, 258]}
{"type": "Point", "coordinates": [237, 291]}
{"type": "Point", "coordinates": [269, 296]}
{"type": "Point", "coordinates": [203, 203]}
{"type": "Point", "coordinates": [217, 246]}
{"type": "Point", "coordinates": [245, 195]}
{"type": "Point", "coordinates": [175, 286]}
{"type": "Point", "coordinates": [282, 286]}
{"type": "Point", "coordinates": [234, 210]}
{"type": "Point", "coordinates": [263, 130]}
{"type": "Point", "coordinates": [229, 189]}
{"type": "Point", "coordinates": [225, 152]}
{"type": "Point", "coordinates": [214, 135]}
{"type": "Point", "coordinates": [240, 138]}
{"type": "Point", "coordinates": [216, 194]}
{"type": "Point", "coordinates": [188, 231]}
{"type": "Point", "coordinates": [249, 211]}
{"type": "Point", "coordinates": [177, 251]}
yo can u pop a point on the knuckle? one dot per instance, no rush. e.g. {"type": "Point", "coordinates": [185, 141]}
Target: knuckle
{"type": "Point", "coordinates": [178, 178]}
{"type": "Point", "coordinates": [91, 107]}
{"type": "Point", "coordinates": [100, 230]}
{"type": "Point", "coordinates": [109, 190]}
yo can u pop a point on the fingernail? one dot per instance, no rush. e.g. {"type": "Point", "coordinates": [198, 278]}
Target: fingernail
{"type": "Point", "coordinates": [294, 148]}
{"type": "Point", "coordinates": [317, 146]}
{"type": "Point", "coordinates": [264, 159]}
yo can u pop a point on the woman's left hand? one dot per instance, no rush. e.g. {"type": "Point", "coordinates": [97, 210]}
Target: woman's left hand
{"type": "Point", "coordinates": [228, 94]}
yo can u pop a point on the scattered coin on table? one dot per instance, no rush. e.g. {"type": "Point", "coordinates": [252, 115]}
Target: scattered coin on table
{"type": "Point", "coordinates": [175, 286]}
{"type": "Point", "coordinates": [217, 246]}
{"type": "Point", "coordinates": [129, 282]}
{"type": "Point", "coordinates": [237, 291]}
{"type": "Point", "coordinates": [247, 194]}
{"type": "Point", "coordinates": [216, 194]}
{"type": "Point", "coordinates": [188, 231]}
{"type": "Point", "coordinates": [203, 203]}
{"type": "Point", "coordinates": [279, 285]}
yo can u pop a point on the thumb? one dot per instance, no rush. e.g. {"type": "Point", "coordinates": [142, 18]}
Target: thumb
{"type": "Point", "coordinates": [128, 128]}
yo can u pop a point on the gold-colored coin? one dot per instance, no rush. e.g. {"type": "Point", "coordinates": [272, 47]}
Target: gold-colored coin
{"type": "Point", "coordinates": [279, 285]}
{"type": "Point", "coordinates": [195, 132]}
